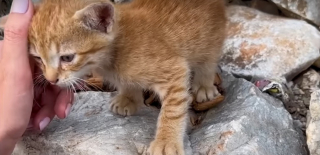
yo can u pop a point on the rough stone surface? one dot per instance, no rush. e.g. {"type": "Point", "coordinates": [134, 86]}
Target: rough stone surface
{"type": "Point", "coordinates": [302, 87]}
{"type": "Point", "coordinates": [307, 9]}
{"type": "Point", "coordinates": [247, 122]}
{"type": "Point", "coordinates": [265, 6]}
{"type": "Point", "coordinates": [313, 128]}
{"type": "Point", "coordinates": [91, 129]}
{"type": "Point", "coordinates": [265, 46]}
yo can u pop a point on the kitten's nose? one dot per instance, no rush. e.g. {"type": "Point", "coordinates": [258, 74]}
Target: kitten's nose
{"type": "Point", "coordinates": [53, 82]}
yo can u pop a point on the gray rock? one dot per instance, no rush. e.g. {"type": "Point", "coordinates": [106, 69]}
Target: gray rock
{"type": "Point", "coordinates": [247, 122]}
{"type": "Point", "coordinates": [306, 9]}
{"type": "Point", "coordinates": [91, 129]}
{"type": "Point", "coordinates": [5, 7]}
{"type": "Point", "coordinates": [313, 128]}
{"type": "Point", "coordinates": [265, 46]}
{"type": "Point", "coordinates": [265, 6]}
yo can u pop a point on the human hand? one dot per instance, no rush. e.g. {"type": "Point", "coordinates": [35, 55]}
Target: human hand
{"type": "Point", "coordinates": [48, 101]}
{"type": "Point", "coordinates": [20, 101]}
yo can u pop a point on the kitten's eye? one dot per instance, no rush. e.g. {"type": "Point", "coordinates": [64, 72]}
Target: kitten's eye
{"type": "Point", "coordinates": [67, 58]}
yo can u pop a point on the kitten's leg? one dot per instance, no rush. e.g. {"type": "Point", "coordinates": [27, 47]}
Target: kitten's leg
{"type": "Point", "coordinates": [173, 116]}
{"type": "Point", "coordinates": [127, 100]}
{"type": "Point", "coordinates": [203, 82]}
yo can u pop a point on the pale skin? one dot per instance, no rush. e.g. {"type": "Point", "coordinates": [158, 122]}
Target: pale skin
{"type": "Point", "coordinates": [23, 106]}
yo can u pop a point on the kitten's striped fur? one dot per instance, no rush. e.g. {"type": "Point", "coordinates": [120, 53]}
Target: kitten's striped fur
{"type": "Point", "coordinates": [144, 44]}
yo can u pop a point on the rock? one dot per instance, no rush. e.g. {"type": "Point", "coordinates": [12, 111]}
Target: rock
{"type": "Point", "coordinates": [306, 9]}
{"type": "Point", "coordinates": [247, 122]}
{"type": "Point", "coordinates": [309, 80]}
{"type": "Point", "coordinates": [317, 63]}
{"type": "Point", "coordinates": [5, 7]}
{"type": "Point", "coordinates": [91, 129]}
{"type": "Point", "coordinates": [313, 128]}
{"type": "Point", "coordinates": [265, 46]}
{"type": "Point", "coordinates": [303, 86]}
{"type": "Point", "coordinates": [265, 6]}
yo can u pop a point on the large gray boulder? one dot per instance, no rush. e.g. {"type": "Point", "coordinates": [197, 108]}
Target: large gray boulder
{"type": "Point", "coordinates": [305, 9]}
{"type": "Point", "coordinates": [261, 45]}
{"type": "Point", "coordinates": [91, 129]}
{"type": "Point", "coordinates": [247, 122]}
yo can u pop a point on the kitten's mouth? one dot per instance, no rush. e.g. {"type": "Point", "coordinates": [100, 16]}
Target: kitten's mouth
{"type": "Point", "coordinates": [81, 84]}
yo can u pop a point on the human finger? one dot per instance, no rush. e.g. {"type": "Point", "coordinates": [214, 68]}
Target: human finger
{"type": "Point", "coordinates": [63, 103]}
{"type": "Point", "coordinates": [46, 113]}
{"type": "Point", "coordinates": [16, 31]}
{"type": "Point", "coordinates": [15, 78]}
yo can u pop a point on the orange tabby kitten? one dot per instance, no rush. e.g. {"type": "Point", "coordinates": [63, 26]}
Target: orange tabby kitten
{"type": "Point", "coordinates": [144, 44]}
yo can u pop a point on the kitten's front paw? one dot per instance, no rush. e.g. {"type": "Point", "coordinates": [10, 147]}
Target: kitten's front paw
{"type": "Point", "coordinates": [206, 93]}
{"type": "Point", "coordinates": [123, 105]}
{"type": "Point", "coordinates": [164, 147]}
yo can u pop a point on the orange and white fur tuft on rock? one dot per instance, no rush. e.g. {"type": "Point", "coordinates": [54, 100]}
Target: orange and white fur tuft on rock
{"type": "Point", "coordinates": [142, 45]}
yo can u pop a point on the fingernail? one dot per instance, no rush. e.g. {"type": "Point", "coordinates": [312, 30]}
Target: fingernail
{"type": "Point", "coordinates": [20, 6]}
{"type": "Point", "coordinates": [44, 123]}
{"type": "Point", "coordinates": [68, 109]}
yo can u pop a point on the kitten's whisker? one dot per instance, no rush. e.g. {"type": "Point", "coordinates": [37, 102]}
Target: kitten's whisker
{"type": "Point", "coordinates": [38, 79]}
{"type": "Point", "coordinates": [45, 85]}
{"type": "Point", "coordinates": [37, 76]}
{"type": "Point", "coordinates": [90, 84]}
{"type": "Point", "coordinates": [71, 84]}
{"type": "Point", "coordinates": [78, 81]}
{"type": "Point", "coordinates": [74, 89]}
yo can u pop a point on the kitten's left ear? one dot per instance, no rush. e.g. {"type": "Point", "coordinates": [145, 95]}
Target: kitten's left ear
{"type": "Point", "coordinates": [3, 21]}
{"type": "Point", "coordinates": [97, 16]}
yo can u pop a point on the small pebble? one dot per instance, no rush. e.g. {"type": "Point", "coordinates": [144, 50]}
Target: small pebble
{"type": "Point", "coordinates": [303, 119]}
{"type": "Point", "coordinates": [292, 109]}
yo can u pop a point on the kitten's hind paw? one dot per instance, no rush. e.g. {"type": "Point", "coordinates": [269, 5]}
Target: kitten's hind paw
{"type": "Point", "coordinates": [163, 147]}
{"type": "Point", "coordinates": [123, 105]}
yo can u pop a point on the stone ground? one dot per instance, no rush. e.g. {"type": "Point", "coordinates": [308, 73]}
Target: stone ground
{"type": "Point", "coordinates": [246, 122]}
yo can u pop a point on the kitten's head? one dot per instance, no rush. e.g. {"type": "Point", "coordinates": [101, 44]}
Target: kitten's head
{"type": "Point", "coordinates": [71, 38]}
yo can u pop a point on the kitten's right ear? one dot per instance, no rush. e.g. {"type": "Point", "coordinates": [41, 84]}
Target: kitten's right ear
{"type": "Point", "coordinates": [3, 21]}
{"type": "Point", "coordinates": [97, 16]}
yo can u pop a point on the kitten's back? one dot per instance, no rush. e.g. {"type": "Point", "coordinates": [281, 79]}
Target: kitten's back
{"type": "Point", "coordinates": [191, 28]}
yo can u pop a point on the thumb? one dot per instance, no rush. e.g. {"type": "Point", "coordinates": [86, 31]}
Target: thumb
{"type": "Point", "coordinates": [14, 59]}
{"type": "Point", "coordinates": [16, 30]}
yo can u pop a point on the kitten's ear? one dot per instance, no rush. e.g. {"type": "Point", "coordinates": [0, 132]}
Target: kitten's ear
{"type": "Point", "coordinates": [97, 16]}
{"type": "Point", "coordinates": [3, 21]}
